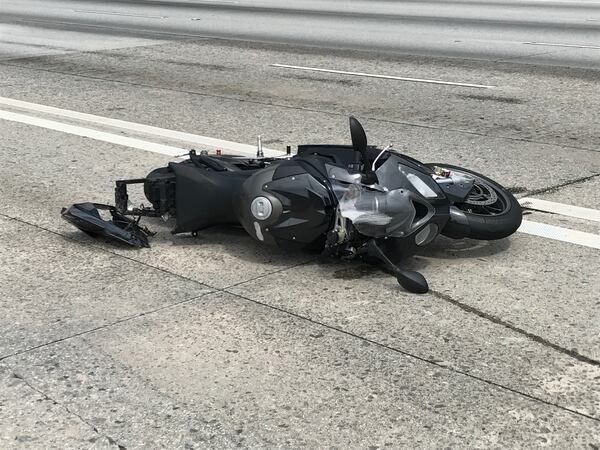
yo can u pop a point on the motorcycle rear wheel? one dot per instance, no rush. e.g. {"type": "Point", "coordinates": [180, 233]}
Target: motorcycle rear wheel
{"type": "Point", "coordinates": [492, 211]}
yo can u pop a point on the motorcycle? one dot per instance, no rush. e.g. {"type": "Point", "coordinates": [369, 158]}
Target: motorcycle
{"type": "Point", "coordinates": [347, 201]}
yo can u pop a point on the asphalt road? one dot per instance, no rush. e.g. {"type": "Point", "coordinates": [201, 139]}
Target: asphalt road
{"type": "Point", "coordinates": [537, 32]}
{"type": "Point", "coordinates": [216, 341]}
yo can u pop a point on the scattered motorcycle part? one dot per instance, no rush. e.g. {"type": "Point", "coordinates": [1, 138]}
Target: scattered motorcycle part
{"type": "Point", "coordinates": [86, 217]}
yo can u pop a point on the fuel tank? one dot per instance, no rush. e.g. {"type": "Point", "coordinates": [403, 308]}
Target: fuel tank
{"type": "Point", "coordinates": [289, 204]}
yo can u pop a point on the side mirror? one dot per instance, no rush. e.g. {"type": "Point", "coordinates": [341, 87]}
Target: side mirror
{"type": "Point", "coordinates": [359, 143]}
{"type": "Point", "coordinates": [359, 137]}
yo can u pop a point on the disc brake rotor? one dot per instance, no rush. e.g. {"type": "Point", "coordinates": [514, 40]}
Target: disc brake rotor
{"type": "Point", "coordinates": [482, 194]}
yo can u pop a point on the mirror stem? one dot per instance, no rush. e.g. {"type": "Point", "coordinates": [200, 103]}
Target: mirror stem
{"type": "Point", "coordinates": [411, 281]}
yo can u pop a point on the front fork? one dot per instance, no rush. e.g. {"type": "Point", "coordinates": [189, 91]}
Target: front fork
{"type": "Point", "coordinates": [458, 226]}
{"type": "Point", "coordinates": [456, 187]}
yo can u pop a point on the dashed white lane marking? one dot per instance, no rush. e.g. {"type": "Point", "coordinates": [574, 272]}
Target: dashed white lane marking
{"type": "Point", "coordinates": [243, 149]}
{"type": "Point", "coordinates": [562, 45]}
{"type": "Point", "coordinates": [115, 13]}
{"type": "Point", "coordinates": [93, 134]}
{"type": "Point", "coordinates": [386, 77]}
{"type": "Point", "coordinates": [560, 234]}
{"type": "Point", "coordinates": [560, 208]}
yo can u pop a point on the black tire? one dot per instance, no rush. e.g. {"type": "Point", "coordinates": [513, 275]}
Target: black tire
{"type": "Point", "coordinates": [486, 225]}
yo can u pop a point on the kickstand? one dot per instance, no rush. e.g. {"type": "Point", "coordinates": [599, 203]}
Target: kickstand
{"type": "Point", "coordinates": [411, 281]}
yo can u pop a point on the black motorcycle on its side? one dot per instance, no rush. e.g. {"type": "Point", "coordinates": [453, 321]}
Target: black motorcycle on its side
{"type": "Point", "coordinates": [348, 201]}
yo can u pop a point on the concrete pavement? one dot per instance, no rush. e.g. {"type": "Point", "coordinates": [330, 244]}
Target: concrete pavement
{"type": "Point", "coordinates": [218, 342]}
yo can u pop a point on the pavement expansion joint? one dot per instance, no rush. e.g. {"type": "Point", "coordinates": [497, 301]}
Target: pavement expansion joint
{"type": "Point", "coordinates": [299, 108]}
{"type": "Point", "coordinates": [419, 358]}
{"type": "Point", "coordinates": [68, 411]}
{"type": "Point", "coordinates": [116, 322]}
{"type": "Point", "coordinates": [264, 275]}
{"type": "Point", "coordinates": [538, 339]}
{"type": "Point", "coordinates": [106, 325]}
{"type": "Point", "coordinates": [324, 325]}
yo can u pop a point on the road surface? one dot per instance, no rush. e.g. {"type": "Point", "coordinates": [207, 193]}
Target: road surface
{"type": "Point", "coordinates": [536, 32]}
{"type": "Point", "coordinates": [215, 341]}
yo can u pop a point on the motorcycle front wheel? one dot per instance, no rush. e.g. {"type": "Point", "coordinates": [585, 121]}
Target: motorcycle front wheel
{"type": "Point", "coordinates": [492, 211]}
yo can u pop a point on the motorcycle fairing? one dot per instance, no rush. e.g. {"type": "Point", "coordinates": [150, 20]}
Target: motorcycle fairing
{"type": "Point", "coordinates": [302, 204]}
{"type": "Point", "coordinates": [204, 197]}
{"type": "Point", "coordinates": [397, 206]}
{"type": "Point", "coordinates": [397, 213]}
{"type": "Point", "coordinates": [86, 217]}
{"type": "Point", "coordinates": [394, 173]}
{"type": "Point", "coordinates": [307, 208]}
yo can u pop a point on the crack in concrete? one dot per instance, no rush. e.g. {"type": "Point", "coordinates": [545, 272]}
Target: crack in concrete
{"type": "Point", "coordinates": [312, 321]}
{"type": "Point", "coordinates": [110, 440]}
{"type": "Point", "coordinates": [299, 108]}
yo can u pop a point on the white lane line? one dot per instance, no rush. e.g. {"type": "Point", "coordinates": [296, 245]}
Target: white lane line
{"type": "Point", "coordinates": [562, 45]}
{"type": "Point", "coordinates": [533, 228]}
{"type": "Point", "coordinates": [563, 2]}
{"type": "Point", "coordinates": [386, 77]}
{"type": "Point", "coordinates": [94, 134]}
{"type": "Point", "coordinates": [243, 149]}
{"type": "Point", "coordinates": [560, 208]}
{"type": "Point", "coordinates": [560, 234]}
